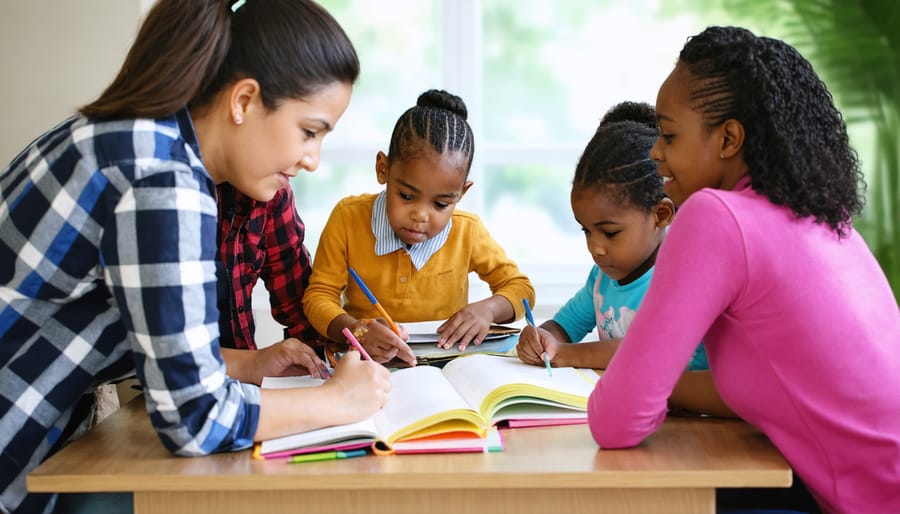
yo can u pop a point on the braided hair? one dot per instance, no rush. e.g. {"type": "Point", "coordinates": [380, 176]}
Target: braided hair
{"type": "Point", "coordinates": [617, 158]}
{"type": "Point", "coordinates": [438, 119]}
{"type": "Point", "coordinates": [796, 145]}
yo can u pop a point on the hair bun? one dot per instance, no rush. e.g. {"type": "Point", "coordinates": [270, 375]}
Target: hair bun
{"type": "Point", "coordinates": [639, 112]}
{"type": "Point", "coordinates": [440, 99]}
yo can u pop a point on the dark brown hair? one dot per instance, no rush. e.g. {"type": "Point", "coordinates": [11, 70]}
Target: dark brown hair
{"type": "Point", "coordinates": [187, 50]}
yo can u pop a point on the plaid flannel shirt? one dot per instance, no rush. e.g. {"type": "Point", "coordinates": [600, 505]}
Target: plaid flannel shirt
{"type": "Point", "coordinates": [261, 240]}
{"type": "Point", "coordinates": [107, 267]}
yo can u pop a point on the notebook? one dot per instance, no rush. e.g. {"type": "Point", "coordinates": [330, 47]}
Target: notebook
{"type": "Point", "coordinates": [463, 403]}
{"type": "Point", "coordinates": [426, 332]}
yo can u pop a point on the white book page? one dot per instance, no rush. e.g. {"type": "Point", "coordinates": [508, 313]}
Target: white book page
{"type": "Point", "coordinates": [364, 429]}
{"type": "Point", "coordinates": [423, 332]}
{"type": "Point", "coordinates": [289, 382]}
{"type": "Point", "coordinates": [476, 376]}
{"type": "Point", "coordinates": [417, 393]}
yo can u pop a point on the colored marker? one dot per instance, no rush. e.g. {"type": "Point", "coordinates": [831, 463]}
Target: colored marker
{"type": "Point", "coordinates": [352, 340]}
{"type": "Point", "coordinates": [365, 289]}
{"type": "Point", "coordinates": [322, 456]}
{"type": "Point", "coordinates": [530, 318]}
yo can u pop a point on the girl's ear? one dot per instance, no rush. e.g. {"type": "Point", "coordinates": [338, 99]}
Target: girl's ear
{"type": "Point", "coordinates": [664, 213]}
{"type": "Point", "coordinates": [465, 188]}
{"type": "Point", "coordinates": [243, 94]}
{"type": "Point", "coordinates": [732, 138]}
{"type": "Point", "coordinates": [381, 167]}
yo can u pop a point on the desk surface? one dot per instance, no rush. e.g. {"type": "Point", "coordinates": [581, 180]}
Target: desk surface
{"type": "Point", "coordinates": [124, 454]}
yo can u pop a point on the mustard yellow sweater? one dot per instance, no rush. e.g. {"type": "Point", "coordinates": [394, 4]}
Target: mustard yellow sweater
{"type": "Point", "coordinates": [435, 292]}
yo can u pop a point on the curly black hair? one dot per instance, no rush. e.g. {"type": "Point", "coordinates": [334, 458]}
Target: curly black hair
{"type": "Point", "coordinates": [796, 145]}
{"type": "Point", "coordinates": [439, 118]}
{"type": "Point", "coordinates": [617, 158]}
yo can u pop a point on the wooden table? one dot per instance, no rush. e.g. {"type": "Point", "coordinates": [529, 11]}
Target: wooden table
{"type": "Point", "coordinates": [542, 471]}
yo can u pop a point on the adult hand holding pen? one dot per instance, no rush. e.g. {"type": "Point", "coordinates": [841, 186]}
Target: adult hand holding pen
{"type": "Point", "coordinates": [362, 384]}
{"type": "Point", "coordinates": [358, 389]}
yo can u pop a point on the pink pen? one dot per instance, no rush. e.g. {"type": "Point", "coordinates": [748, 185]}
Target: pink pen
{"type": "Point", "coordinates": [352, 340]}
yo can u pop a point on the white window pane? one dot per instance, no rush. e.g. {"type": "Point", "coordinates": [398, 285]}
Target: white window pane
{"type": "Point", "coordinates": [398, 44]}
{"type": "Point", "coordinates": [552, 69]}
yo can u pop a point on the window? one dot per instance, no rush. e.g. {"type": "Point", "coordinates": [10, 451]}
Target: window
{"type": "Point", "coordinates": [536, 77]}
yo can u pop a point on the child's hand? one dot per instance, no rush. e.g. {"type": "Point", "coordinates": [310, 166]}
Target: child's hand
{"type": "Point", "coordinates": [361, 387]}
{"type": "Point", "coordinates": [469, 325]}
{"type": "Point", "coordinates": [383, 344]}
{"type": "Point", "coordinates": [533, 342]}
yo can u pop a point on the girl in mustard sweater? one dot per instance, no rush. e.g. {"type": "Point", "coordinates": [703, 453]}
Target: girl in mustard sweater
{"type": "Point", "coordinates": [411, 246]}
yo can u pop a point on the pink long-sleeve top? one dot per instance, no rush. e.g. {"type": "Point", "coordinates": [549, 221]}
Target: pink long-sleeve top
{"type": "Point", "coordinates": [802, 333]}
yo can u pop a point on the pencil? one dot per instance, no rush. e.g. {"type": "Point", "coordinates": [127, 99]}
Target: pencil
{"type": "Point", "coordinates": [530, 318]}
{"type": "Point", "coordinates": [352, 340]}
{"type": "Point", "coordinates": [365, 289]}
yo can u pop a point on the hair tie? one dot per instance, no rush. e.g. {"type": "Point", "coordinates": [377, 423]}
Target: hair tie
{"type": "Point", "coordinates": [237, 5]}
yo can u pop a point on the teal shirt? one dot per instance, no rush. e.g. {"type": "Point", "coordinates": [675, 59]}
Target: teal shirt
{"type": "Point", "coordinates": [610, 307]}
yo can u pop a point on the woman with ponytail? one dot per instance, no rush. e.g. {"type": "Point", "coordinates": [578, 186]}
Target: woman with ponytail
{"type": "Point", "coordinates": [108, 237]}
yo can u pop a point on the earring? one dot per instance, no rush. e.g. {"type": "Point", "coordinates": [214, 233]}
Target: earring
{"type": "Point", "coordinates": [722, 155]}
{"type": "Point", "coordinates": [238, 119]}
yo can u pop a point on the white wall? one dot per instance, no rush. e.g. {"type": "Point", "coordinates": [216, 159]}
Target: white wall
{"type": "Point", "coordinates": [56, 55]}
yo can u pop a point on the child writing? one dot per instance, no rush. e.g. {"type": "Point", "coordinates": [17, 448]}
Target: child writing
{"type": "Point", "coordinates": [617, 198]}
{"type": "Point", "coordinates": [763, 264]}
{"type": "Point", "coordinates": [108, 237]}
{"type": "Point", "coordinates": [410, 245]}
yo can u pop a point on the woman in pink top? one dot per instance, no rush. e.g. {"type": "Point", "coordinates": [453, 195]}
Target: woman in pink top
{"type": "Point", "coordinates": [762, 263]}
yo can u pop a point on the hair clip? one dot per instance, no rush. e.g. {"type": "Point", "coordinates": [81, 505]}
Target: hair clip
{"type": "Point", "coordinates": [237, 5]}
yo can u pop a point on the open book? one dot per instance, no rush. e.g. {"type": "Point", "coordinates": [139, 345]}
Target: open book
{"type": "Point", "coordinates": [456, 408]}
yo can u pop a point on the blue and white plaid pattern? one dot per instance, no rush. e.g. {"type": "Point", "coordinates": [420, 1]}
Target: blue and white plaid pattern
{"type": "Point", "coordinates": [107, 266]}
{"type": "Point", "coordinates": [386, 240]}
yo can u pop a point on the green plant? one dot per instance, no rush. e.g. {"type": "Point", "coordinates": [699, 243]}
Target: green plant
{"type": "Point", "coordinates": [855, 48]}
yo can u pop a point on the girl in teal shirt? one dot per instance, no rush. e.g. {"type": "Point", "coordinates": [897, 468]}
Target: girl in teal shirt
{"type": "Point", "coordinates": [617, 198]}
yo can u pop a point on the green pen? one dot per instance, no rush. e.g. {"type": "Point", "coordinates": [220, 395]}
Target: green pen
{"type": "Point", "coordinates": [322, 456]}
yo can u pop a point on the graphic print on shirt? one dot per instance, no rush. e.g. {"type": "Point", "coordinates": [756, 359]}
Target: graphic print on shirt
{"type": "Point", "coordinates": [608, 327]}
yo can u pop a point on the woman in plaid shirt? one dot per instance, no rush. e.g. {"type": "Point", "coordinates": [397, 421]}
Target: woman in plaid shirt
{"type": "Point", "coordinates": [108, 237]}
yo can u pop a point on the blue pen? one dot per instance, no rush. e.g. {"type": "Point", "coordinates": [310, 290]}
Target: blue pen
{"type": "Point", "coordinates": [384, 314]}
{"type": "Point", "coordinates": [323, 456]}
{"type": "Point", "coordinates": [530, 317]}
